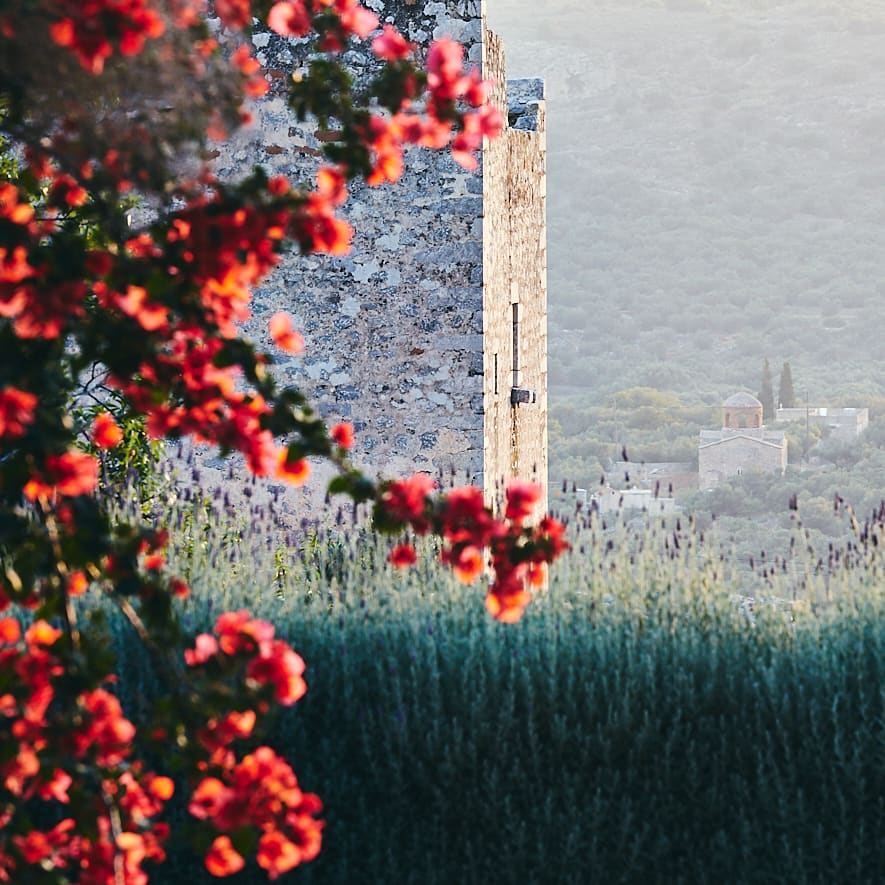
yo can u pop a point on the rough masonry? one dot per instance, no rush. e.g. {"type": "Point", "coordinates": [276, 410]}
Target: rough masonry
{"type": "Point", "coordinates": [431, 336]}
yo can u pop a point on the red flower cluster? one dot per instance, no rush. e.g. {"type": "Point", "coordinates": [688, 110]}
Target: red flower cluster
{"type": "Point", "coordinates": [261, 793]}
{"type": "Point", "coordinates": [235, 14]}
{"type": "Point", "coordinates": [342, 434]}
{"type": "Point", "coordinates": [160, 309]}
{"type": "Point", "coordinates": [38, 304]}
{"type": "Point", "coordinates": [407, 501]}
{"type": "Point", "coordinates": [106, 433]}
{"type": "Point", "coordinates": [102, 729]}
{"type": "Point", "coordinates": [210, 406]}
{"type": "Point", "coordinates": [294, 18]}
{"type": "Point", "coordinates": [16, 411]}
{"type": "Point", "coordinates": [224, 250]}
{"type": "Point", "coordinates": [90, 28]}
{"type": "Point", "coordinates": [71, 474]}
{"type": "Point", "coordinates": [447, 83]}
{"type": "Point", "coordinates": [391, 45]}
{"type": "Point", "coordinates": [314, 225]}
{"type": "Point", "coordinates": [518, 553]}
{"type": "Point", "coordinates": [271, 662]}
{"type": "Point", "coordinates": [284, 336]}
{"type": "Point", "coordinates": [96, 732]}
{"type": "Point", "coordinates": [402, 556]}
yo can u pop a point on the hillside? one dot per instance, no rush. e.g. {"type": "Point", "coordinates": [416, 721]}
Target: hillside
{"type": "Point", "coordinates": [716, 192]}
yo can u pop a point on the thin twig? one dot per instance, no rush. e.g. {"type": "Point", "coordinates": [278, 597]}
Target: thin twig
{"type": "Point", "coordinates": [62, 572]}
{"type": "Point", "coordinates": [116, 832]}
{"type": "Point", "coordinates": [171, 670]}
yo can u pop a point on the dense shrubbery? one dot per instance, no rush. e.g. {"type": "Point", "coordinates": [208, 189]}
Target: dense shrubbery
{"type": "Point", "coordinates": [105, 104]}
{"type": "Point", "coordinates": [650, 424]}
{"type": "Point", "coordinates": [640, 724]}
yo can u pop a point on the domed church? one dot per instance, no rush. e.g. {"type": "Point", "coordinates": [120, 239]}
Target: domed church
{"type": "Point", "coordinates": [742, 445]}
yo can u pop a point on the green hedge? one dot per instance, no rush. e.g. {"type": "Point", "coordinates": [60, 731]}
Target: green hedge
{"type": "Point", "coordinates": [639, 725]}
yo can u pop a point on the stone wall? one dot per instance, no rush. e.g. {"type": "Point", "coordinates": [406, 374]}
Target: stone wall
{"type": "Point", "coordinates": [400, 333]}
{"type": "Point", "coordinates": [736, 455]}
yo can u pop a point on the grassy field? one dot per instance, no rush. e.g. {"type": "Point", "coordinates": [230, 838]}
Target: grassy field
{"type": "Point", "coordinates": [641, 724]}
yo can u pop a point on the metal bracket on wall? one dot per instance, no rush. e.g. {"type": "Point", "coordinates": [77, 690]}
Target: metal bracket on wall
{"type": "Point", "coordinates": [519, 395]}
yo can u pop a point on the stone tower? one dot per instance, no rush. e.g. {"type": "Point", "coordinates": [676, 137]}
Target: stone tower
{"type": "Point", "coordinates": [431, 336]}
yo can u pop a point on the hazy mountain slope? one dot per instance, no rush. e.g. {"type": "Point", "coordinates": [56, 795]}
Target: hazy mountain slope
{"type": "Point", "coordinates": [716, 191]}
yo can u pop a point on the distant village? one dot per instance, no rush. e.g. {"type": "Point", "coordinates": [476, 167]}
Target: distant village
{"type": "Point", "coordinates": [742, 445]}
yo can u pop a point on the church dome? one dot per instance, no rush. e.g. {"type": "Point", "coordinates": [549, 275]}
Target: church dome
{"type": "Point", "coordinates": [742, 410]}
{"type": "Point", "coordinates": [742, 401]}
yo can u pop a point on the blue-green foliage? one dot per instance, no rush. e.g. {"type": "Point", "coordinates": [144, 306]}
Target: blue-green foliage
{"type": "Point", "coordinates": [641, 724]}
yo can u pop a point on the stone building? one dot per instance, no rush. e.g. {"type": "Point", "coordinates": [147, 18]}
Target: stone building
{"type": "Point", "coordinates": [840, 423]}
{"type": "Point", "coordinates": [660, 477]}
{"type": "Point", "coordinates": [742, 445]}
{"type": "Point", "coordinates": [609, 501]}
{"type": "Point", "coordinates": [431, 336]}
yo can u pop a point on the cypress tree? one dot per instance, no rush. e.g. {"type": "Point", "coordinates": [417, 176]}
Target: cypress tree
{"type": "Point", "coordinates": [766, 393]}
{"type": "Point", "coordinates": [786, 396]}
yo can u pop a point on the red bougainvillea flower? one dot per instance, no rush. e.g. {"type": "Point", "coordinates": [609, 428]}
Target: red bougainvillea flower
{"type": "Point", "coordinates": [239, 632]}
{"type": "Point", "coordinates": [314, 225]}
{"type": "Point", "coordinates": [406, 500]}
{"type": "Point", "coordinates": [402, 556]}
{"type": "Point", "coordinates": [537, 576]}
{"type": "Point", "coordinates": [70, 474]}
{"type": "Point", "coordinates": [45, 848]}
{"type": "Point", "coordinates": [179, 588]}
{"type": "Point", "coordinates": [521, 499]}
{"type": "Point", "coordinates": [10, 631]}
{"type": "Point", "coordinates": [289, 18]}
{"type": "Point", "coordinates": [41, 634]}
{"type": "Point", "coordinates": [16, 411]}
{"type": "Point", "coordinates": [507, 602]}
{"type": "Point", "coordinates": [135, 303]}
{"type": "Point", "coordinates": [77, 583]}
{"type": "Point", "coordinates": [106, 433]}
{"type": "Point", "coordinates": [236, 14]}
{"type": "Point", "coordinates": [219, 733]}
{"type": "Point", "coordinates": [273, 661]}
{"type": "Point", "coordinates": [549, 535]}
{"type": "Point", "coordinates": [101, 731]}
{"type": "Point", "coordinates": [445, 70]}
{"type": "Point", "coordinates": [384, 138]}
{"type": "Point", "coordinates": [207, 798]}
{"type": "Point", "coordinates": [153, 562]}
{"type": "Point", "coordinates": [254, 83]}
{"type": "Point", "coordinates": [277, 854]}
{"type": "Point", "coordinates": [391, 45]}
{"type": "Point", "coordinates": [295, 472]}
{"type": "Point", "coordinates": [466, 563]}
{"type": "Point", "coordinates": [284, 336]}
{"type": "Point", "coordinates": [206, 646]}
{"type": "Point", "coordinates": [261, 791]}
{"type": "Point", "coordinates": [39, 312]}
{"type": "Point", "coordinates": [223, 859]}
{"type": "Point", "coordinates": [342, 434]}
{"type": "Point", "coordinates": [355, 18]}
{"type": "Point", "coordinates": [87, 27]}
{"type": "Point", "coordinates": [282, 668]}
{"type": "Point", "coordinates": [466, 519]}
{"type": "Point", "coordinates": [10, 207]}
{"type": "Point", "coordinates": [66, 192]}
